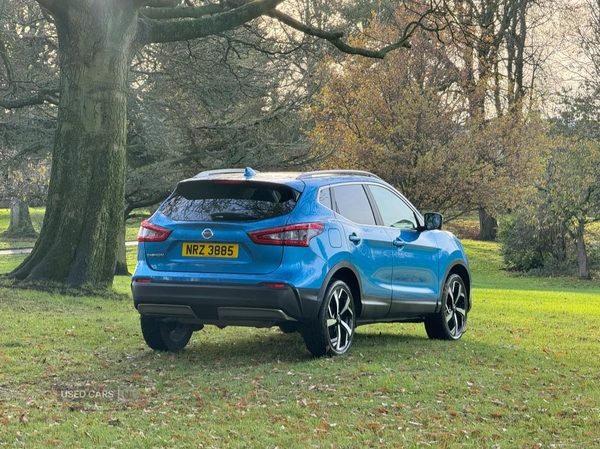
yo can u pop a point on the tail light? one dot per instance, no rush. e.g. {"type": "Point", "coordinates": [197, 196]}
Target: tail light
{"type": "Point", "coordinates": [292, 235]}
{"type": "Point", "coordinates": [152, 233]}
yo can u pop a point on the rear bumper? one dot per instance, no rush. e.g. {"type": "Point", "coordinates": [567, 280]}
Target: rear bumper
{"type": "Point", "coordinates": [224, 304]}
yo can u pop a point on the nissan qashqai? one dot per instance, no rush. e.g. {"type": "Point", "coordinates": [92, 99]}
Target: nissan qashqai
{"type": "Point", "coordinates": [319, 253]}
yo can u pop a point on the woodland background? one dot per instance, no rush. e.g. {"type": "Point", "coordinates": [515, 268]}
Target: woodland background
{"type": "Point", "coordinates": [492, 110]}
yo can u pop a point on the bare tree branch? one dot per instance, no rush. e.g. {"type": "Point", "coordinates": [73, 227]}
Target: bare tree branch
{"type": "Point", "coordinates": [263, 50]}
{"type": "Point", "coordinates": [49, 4]}
{"type": "Point", "coordinates": [6, 62]}
{"type": "Point", "coordinates": [155, 31]}
{"type": "Point", "coordinates": [336, 37]}
{"type": "Point", "coordinates": [183, 13]}
{"type": "Point", "coordinates": [132, 203]}
{"type": "Point", "coordinates": [52, 9]}
{"type": "Point", "coordinates": [156, 3]}
{"type": "Point", "coordinates": [43, 96]}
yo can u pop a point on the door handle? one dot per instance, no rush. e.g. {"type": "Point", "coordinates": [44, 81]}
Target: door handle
{"type": "Point", "coordinates": [398, 242]}
{"type": "Point", "coordinates": [354, 238]}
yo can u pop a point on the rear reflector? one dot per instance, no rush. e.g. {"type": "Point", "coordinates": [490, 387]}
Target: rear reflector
{"type": "Point", "coordinates": [152, 233]}
{"type": "Point", "coordinates": [291, 235]}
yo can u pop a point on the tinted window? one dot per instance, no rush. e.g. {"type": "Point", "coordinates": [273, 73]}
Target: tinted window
{"type": "Point", "coordinates": [394, 211]}
{"type": "Point", "coordinates": [325, 197]}
{"type": "Point", "coordinates": [229, 201]}
{"type": "Point", "coordinates": [351, 201]}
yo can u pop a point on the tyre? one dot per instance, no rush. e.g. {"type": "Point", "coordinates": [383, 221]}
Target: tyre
{"type": "Point", "coordinates": [289, 327]}
{"type": "Point", "coordinates": [165, 336]}
{"type": "Point", "coordinates": [332, 332]}
{"type": "Point", "coordinates": [450, 323]}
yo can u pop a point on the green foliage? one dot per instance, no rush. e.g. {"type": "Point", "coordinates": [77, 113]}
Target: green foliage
{"type": "Point", "coordinates": [535, 240]}
{"type": "Point", "coordinates": [520, 246]}
{"type": "Point", "coordinates": [550, 231]}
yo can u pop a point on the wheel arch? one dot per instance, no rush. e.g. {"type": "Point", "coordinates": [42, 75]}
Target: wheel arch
{"type": "Point", "coordinates": [463, 271]}
{"type": "Point", "coordinates": [346, 272]}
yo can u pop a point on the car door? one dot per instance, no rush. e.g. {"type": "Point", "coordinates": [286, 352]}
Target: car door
{"type": "Point", "coordinates": [369, 245]}
{"type": "Point", "coordinates": [415, 285]}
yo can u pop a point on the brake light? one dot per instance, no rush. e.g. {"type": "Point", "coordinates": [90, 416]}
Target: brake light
{"type": "Point", "coordinates": [152, 233]}
{"type": "Point", "coordinates": [291, 235]}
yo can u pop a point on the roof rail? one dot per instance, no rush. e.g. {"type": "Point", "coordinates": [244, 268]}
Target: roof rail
{"type": "Point", "coordinates": [316, 174]}
{"type": "Point", "coordinates": [248, 172]}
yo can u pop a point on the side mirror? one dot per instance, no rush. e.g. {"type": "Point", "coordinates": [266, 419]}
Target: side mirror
{"type": "Point", "coordinates": [433, 220]}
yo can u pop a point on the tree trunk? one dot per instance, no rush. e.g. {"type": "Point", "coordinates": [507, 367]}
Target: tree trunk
{"type": "Point", "coordinates": [20, 221]}
{"type": "Point", "coordinates": [84, 214]}
{"type": "Point", "coordinates": [488, 226]}
{"type": "Point", "coordinates": [582, 259]}
{"type": "Point", "coordinates": [121, 267]}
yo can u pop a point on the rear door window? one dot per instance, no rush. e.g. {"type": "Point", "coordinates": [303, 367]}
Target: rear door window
{"type": "Point", "coordinates": [351, 201]}
{"type": "Point", "coordinates": [218, 200]}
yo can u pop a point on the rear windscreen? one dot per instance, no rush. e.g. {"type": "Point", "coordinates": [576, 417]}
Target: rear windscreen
{"type": "Point", "coordinates": [229, 201]}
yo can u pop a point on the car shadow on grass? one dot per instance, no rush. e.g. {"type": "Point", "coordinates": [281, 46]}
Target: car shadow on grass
{"type": "Point", "coordinates": [270, 346]}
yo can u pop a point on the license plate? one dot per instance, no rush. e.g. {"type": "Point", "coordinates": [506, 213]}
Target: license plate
{"type": "Point", "coordinates": [222, 250]}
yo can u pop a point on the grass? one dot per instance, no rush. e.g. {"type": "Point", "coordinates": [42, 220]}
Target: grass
{"type": "Point", "coordinates": [525, 375]}
{"type": "Point", "coordinates": [37, 216]}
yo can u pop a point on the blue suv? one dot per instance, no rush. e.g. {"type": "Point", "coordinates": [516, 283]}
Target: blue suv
{"type": "Point", "coordinates": [319, 252]}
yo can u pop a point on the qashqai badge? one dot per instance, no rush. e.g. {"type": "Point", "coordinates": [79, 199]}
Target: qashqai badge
{"type": "Point", "coordinates": [207, 234]}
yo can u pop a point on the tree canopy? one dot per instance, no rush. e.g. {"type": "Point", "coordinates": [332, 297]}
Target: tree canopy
{"type": "Point", "coordinates": [410, 119]}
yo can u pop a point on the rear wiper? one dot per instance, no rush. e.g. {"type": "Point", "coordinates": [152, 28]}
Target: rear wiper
{"type": "Point", "coordinates": [234, 216]}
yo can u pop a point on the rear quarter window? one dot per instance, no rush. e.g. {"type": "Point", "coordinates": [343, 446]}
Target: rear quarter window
{"type": "Point", "coordinates": [325, 197]}
{"type": "Point", "coordinates": [229, 201]}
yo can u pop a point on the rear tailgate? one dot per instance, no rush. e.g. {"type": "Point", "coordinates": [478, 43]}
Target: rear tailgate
{"type": "Point", "coordinates": [230, 250]}
{"type": "Point", "coordinates": [210, 219]}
